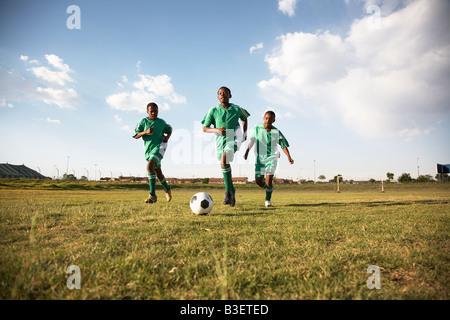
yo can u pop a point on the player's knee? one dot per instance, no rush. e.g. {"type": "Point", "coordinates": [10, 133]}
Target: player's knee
{"type": "Point", "coordinates": [260, 182]}
{"type": "Point", "coordinates": [151, 167]}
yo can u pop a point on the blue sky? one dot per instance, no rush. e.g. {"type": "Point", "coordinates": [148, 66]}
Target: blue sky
{"type": "Point", "coordinates": [360, 87]}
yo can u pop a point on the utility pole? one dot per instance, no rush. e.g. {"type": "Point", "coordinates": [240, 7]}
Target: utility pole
{"type": "Point", "coordinates": [314, 171]}
{"type": "Point", "coordinates": [418, 174]}
{"type": "Point", "coordinates": [57, 171]}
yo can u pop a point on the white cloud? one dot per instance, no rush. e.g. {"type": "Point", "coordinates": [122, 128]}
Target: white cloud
{"type": "Point", "coordinates": [148, 88]}
{"type": "Point", "coordinates": [388, 81]}
{"type": "Point", "coordinates": [256, 47]}
{"type": "Point", "coordinates": [14, 87]}
{"type": "Point", "coordinates": [57, 78]}
{"type": "Point", "coordinates": [3, 103]}
{"type": "Point", "coordinates": [64, 98]}
{"type": "Point", "coordinates": [57, 62]}
{"type": "Point", "coordinates": [26, 59]}
{"type": "Point", "coordinates": [118, 119]}
{"type": "Point", "coordinates": [287, 7]}
{"type": "Point", "coordinates": [60, 76]}
{"type": "Point", "coordinates": [55, 84]}
{"type": "Point", "coordinates": [55, 121]}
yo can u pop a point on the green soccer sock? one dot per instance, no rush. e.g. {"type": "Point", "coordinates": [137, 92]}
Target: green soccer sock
{"type": "Point", "coordinates": [227, 178]}
{"type": "Point", "coordinates": [152, 183]}
{"type": "Point", "coordinates": [164, 184]}
{"type": "Point", "coordinates": [269, 193]}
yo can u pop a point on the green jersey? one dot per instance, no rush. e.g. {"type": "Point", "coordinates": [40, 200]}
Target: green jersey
{"type": "Point", "coordinates": [267, 142]}
{"type": "Point", "coordinates": [228, 118]}
{"type": "Point", "coordinates": [222, 117]}
{"type": "Point", "coordinates": [153, 144]}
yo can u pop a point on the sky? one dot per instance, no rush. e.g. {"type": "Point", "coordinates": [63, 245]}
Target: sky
{"type": "Point", "coordinates": [359, 87]}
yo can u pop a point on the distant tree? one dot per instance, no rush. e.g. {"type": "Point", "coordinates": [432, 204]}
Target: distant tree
{"type": "Point", "coordinates": [83, 178]}
{"type": "Point", "coordinates": [335, 178]}
{"type": "Point", "coordinates": [372, 180]}
{"type": "Point", "coordinates": [390, 176]}
{"type": "Point", "coordinates": [425, 178]}
{"type": "Point", "coordinates": [405, 177]}
{"type": "Point", "coordinates": [70, 177]}
{"type": "Point", "coordinates": [205, 180]}
{"type": "Point", "coordinates": [322, 177]}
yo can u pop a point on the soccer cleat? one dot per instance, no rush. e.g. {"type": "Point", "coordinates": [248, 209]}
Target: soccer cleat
{"type": "Point", "coordinates": [169, 195]}
{"type": "Point", "coordinates": [151, 199]}
{"type": "Point", "coordinates": [226, 199]}
{"type": "Point", "coordinates": [232, 199]}
{"type": "Point", "coordinates": [268, 203]}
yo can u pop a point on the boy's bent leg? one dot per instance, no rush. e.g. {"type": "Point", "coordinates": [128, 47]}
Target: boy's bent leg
{"type": "Point", "coordinates": [260, 182]}
{"type": "Point", "coordinates": [226, 172]}
{"type": "Point", "coordinates": [164, 183]}
{"type": "Point", "coordinates": [152, 181]}
{"type": "Point", "coordinates": [269, 187]}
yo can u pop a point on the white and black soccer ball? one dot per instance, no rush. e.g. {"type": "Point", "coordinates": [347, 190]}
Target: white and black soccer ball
{"type": "Point", "coordinates": [201, 203]}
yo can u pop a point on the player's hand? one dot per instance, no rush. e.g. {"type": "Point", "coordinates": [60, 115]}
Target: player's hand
{"type": "Point", "coordinates": [291, 161]}
{"type": "Point", "coordinates": [165, 139]}
{"type": "Point", "coordinates": [222, 130]}
{"type": "Point", "coordinates": [149, 130]}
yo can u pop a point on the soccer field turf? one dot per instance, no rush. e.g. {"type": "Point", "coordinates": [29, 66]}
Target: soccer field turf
{"type": "Point", "coordinates": [313, 244]}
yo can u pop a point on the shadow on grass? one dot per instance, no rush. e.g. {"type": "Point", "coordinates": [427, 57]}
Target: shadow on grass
{"type": "Point", "coordinates": [263, 212]}
{"type": "Point", "coordinates": [368, 204]}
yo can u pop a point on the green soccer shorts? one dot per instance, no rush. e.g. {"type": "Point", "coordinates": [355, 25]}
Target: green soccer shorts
{"type": "Point", "coordinates": [265, 167]}
{"type": "Point", "coordinates": [157, 157]}
{"type": "Point", "coordinates": [229, 148]}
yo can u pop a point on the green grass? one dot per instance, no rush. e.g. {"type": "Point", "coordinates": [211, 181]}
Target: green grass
{"type": "Point", "coordinates": [313, 244]}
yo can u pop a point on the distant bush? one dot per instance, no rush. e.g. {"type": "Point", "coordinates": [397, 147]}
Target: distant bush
{"type": "Point", "coordinates": [425, 178]}
{"type": "Point", "coordinates": [405, 177]}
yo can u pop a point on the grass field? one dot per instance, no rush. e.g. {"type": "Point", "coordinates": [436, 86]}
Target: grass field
{"type": "Point", "coordinates": [313, 244]}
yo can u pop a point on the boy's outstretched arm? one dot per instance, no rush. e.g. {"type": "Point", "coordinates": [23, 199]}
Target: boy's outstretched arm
{"type": "Point", "coordinates": [221, 130]}
{"type": "Point", "coordinates": [166, 137]}
{"type": "Point", "coordinates": [244, 130]}
{"type": "Point", "coordinates": [140, 134]}
{"type": "Point", "coordinates": [286, 152]}
{"type": "Point", "coordinates": [250, 145]}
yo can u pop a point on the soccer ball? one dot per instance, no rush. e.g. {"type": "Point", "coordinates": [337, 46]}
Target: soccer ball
{"type": "Point", "coordinates": [201, 204]}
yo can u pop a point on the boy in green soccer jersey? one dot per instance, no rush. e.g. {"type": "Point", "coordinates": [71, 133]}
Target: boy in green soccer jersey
{"type": "Point", "coordinates": [225, 119]}
{"type": "Point", "coordinates": [267, 137]}
{"type": "Point", "coordinates": [156, 133]}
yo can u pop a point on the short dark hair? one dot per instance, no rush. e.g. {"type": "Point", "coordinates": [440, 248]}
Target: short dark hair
{"type": "Point", "coordinates": [152, 104]}
{"type": "Point", "coordinates": [271, 113]}
{"type": "Point", "coordinates": [229, 91]}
